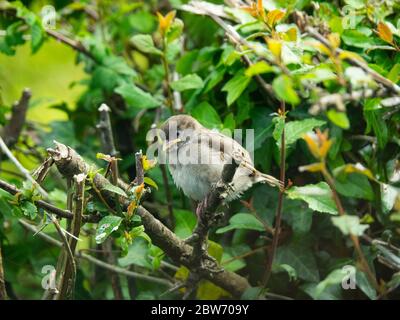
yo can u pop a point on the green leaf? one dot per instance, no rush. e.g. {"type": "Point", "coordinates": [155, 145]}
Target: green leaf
{"type": "Point", "coordinates": [294, 130]}
{"type": "Point", "coordinates": [375, 120]}
{"type": "Point", "coordinates": [394, 73]}
{"type": "Point", "coordinates": [286, 268]}
{"type": "Point", "coordinates": [279, 126]}
{"type": "Point", "coordinates": [242, 221]}
{"type": "Point", "coordinates": [364, 284]}
{"type": "Point", "coordinates": [335, 278]}
{"type": "Point", "coordinates": [235, 87]}
{"type": "Point", "coordinates": [207, 115]}
{"type": "Point", "coordinates": [258, 68]}
{"type": "Point", "coordinates": [175, 30]}
{"type": "Point", "coordinates": [355, 186]}
{"type": "Point", "coordinates": [283, 87]}
{"type": "Point", "coordinates": [357, 39]}
{"type": "Point", "coordinates": [139, 232]}
{"type": "Point", "coordinates": [36, 36]}
{"type": "Point", "coordinates": [185, 222]}
{"type": "Point", "coordinates": [150, 182]}
{"type": "Point", "coordinates": [138, 254]}
{"type": "Point", "coordinates": [106, 226]}
{"type": "Point", "coordinates": [356, 4]}
{"type": "Point", "coordinates": [29, 209]}
{"type": "Point", "coordinates": [349, 225]}
{"type": "Point", "coordinates": [300, 258]}
{"type": "Point", "coordinates": [188, 82]}
{"type": "Point", "coordinates": [114, 189]}
{"type": "Point", "coordinates": [339, 118]}
{"type": "Point", "coordinates": [318, 196]}
{"type": "Point", "coordinates": [144, 43]}
{"type": "Point", "coordinates": [136, 97]}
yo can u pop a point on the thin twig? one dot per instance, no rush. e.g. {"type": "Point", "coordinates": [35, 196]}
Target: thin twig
{"type": "Point", "coordinates": [69, 275]}
{"type": "Point", "coordinates": [108, 147]}
{"type": "Point", "coordinates": [278, 215]}
{"type": "Point", "coordinates": [70, 163]}
{"type": "Point", "coordinates": [76, 45]}
{"type": "Point", "coordinates": [67, 252]}
{"type": "Point", "coordinates": [355, 62]}
{"type": "Point", "coordinates": [93, 260]}
{"type": "Point", "coordinates": [21, 168]}
{"type": "Point", "coordinates": [3, 292]}
{"type": "Point", "coordinates": [105, 128]}
{"type": "Point", "coordinates": [168, 193]}
{"type": "Point", "coordinates": [354, 238]}
{"type": "Point", "coordinates": [13, 128]}
{"type": "Point", "coordinates": [48, 206]}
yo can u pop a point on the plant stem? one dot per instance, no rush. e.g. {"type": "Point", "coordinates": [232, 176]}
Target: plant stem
{"type": "Point", "coordinates": [278, 215]}
{"type": "Point", "coordinates": [353, 238]}
{"type": "Point", "coordinates": [170, 99]}
{"type": "Point", "coordinates": [3, 292]}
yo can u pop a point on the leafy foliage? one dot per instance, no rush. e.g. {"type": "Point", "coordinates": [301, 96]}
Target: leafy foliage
{"type": "Point", "coordinates": [336, 68]}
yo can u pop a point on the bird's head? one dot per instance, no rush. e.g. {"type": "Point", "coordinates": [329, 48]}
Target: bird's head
{"type": "Point", "coordinates": [178, 129]}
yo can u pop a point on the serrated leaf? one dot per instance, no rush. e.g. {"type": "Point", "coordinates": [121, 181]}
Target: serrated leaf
{"type": "Point", "coordinates": [185, 222]}
{"type": "Point", "coordinates": [106, 226]}
{"type": "Point", "coordinates": [36, 37]}
{"type": "Point", "coordinates": [279, 126]}
{"type": "Point", "coordinates": [207, 115]}
{"type": "Point", "coordinates": [188, 82]}
{"type": "Point", "coordinates": [318, 197]}
{"type": "Point", "coordinates": [144, 43]}
{"type": "Point", "coordinates": [283, 87]}
{"type": "Point", "coordinates": [300, 258]}
{"type": "Point", "coordinates": [114, 189]}
{"type": "Point", "coordinates": [150, 182]}
{"type": "Point", "coordinates": [339, 118]}
{"type": "Point", "coordinates": [138, 254]}
{"type": "Point", "coordinates": [136, 97]}
{"type": "Point", "coordinates": [29, 209]}
{"type": "Point", "coordinates": [294, 130]}
{"type": "Point", "coordinates": [258, 68]}
{"type": "Point", "coordinates": [235, 87]}
{"type": "Point", "coordinates": [350, 225]}
{"type": "Point", "coordinates": [242, 221]}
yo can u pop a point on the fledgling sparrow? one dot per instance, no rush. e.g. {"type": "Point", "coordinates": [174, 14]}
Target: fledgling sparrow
{"type": "Point", "coordinates": [196, 157]}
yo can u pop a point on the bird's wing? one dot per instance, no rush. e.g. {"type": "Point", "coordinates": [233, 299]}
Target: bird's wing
{"type": "Point", "coordinates": [228, 148]}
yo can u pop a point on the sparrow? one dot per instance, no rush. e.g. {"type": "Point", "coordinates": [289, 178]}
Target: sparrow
{"type": "Point", "coordinates": [196, 156]}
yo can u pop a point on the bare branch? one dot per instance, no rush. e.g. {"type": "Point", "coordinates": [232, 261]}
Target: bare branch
{"type": "Point", "coordinates": [106, 135]}
{"type": "Point", "coordinates": [3, 292]}
{"type": "Point", "coordinates": [69, 163]}
{"type": "Point", "coordinates": [21, 168]}
{"type": "Point", "coordinates": [13, 129]}
{"type": "Point", "coordinates": [93, 260]}
{"type": "Point", "coordinates": [47, 206]}
{"type": "Point", "coordinates": [76, 45]}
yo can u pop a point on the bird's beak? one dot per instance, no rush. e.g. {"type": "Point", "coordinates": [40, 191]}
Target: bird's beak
{"type": "Point", "coordinates": [170, 144]}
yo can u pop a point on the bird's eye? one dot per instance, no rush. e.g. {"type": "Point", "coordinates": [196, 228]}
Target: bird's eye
{"type": "Point", "coordinates": [178, 134]}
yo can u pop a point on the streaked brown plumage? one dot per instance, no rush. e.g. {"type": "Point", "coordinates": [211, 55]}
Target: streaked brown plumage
{"type": "Point", "coordinates": [200, 155]}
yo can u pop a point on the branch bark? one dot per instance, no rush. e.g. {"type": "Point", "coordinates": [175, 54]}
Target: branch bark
{"type": "Point", "coordinates": [49, 207]}
{"type": "Point", "coordinates": [93, 260]}
{"type": "Point", "coordinates": [69, 163]}
{"type": "Point", "coordinates": [3, 292]}
{"type": "Point", "coordinates": [13, 128]}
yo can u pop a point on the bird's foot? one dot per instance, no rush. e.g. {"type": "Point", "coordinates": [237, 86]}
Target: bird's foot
{"type": "Point", "coordinates": [191, 239]}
